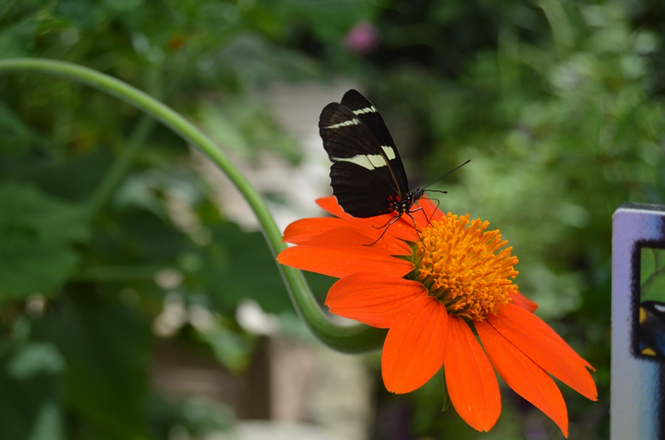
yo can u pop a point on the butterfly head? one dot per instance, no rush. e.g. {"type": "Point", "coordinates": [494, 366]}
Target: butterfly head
{"type": "Point", "coordinates": [403, 205]}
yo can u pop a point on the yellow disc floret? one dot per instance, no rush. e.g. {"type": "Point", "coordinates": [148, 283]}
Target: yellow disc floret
{"type": "Point", "coordinates": [464, 266]}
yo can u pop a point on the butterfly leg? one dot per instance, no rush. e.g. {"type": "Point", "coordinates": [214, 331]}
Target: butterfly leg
{"type": "Point", "coordinates": [414, 221]}
{"type": "Point", "coordinates": [385, 228]}
{"type": "Point", "coordinates": [424, 214]}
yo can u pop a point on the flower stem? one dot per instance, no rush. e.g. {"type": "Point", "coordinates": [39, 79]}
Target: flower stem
{"type": "Point", "coordinates": [352, 339]}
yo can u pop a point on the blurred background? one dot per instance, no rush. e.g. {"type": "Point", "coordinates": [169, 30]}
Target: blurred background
{"type": "Point", "coordinates": [138, 299]}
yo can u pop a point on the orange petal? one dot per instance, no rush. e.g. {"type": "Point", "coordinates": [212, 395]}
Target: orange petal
{"type": "Point", "coordinates": [545, 347]}
{"type": "Point", "coordinates": [330, 205]}
{"type": "Point", "coordinates": [335, 231]}
{"type": "Point", "coordinates": [376, 300]}
{"type": "Point", "coordinates": [402, 229]}
{"type": "Point", "coordinates": [302, 231]}
{"type": "Point", "coordinates": [362, 238]}
{"type": "Point", "coordinates": [430, 209]}
{"type": "Point", "coordinates": [471, 381]}
{"type": "Point", "coordinates": [414, 348]}
{"type": "Point", "coordinates": [341, 261]}
{"type": "Point", "coordinates": [522, 375]}
{"type": "Point", "coordinates": [523, 301]}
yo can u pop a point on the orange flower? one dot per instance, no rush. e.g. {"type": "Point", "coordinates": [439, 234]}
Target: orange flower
{"type": "Point", "coordinates": [447, 298]}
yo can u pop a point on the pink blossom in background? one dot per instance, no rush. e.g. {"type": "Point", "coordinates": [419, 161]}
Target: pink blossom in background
{"type": "Point", "coordinates": [362, 38]}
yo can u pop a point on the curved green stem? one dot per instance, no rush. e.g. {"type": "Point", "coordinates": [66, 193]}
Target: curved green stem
{"type": "Point", "coordinates": [350, 339]}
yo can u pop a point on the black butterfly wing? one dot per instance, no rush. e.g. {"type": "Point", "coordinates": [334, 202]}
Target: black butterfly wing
{"type": "Point", "coordinates": [370, 116]}
{"type": "Point", "coordinates": [359, 192]}
{"type": "Point", "coordinates": [362, 176]}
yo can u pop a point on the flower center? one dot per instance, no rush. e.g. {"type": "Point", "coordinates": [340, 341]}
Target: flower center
{"type": "Point", "coordinates": [464, 267]}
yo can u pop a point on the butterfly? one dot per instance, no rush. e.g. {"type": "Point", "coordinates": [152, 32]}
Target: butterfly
{"type": "Point", "coordinates": [652, 328]}
{"type": "Point", "coordinates": [367, 175]}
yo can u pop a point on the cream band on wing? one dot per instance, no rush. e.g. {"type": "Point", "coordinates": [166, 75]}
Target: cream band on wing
{"type": "Point", "coordinates": [353, 121]}
{"type": "Point", "coordinates": [369, 161]}
{"type": "Point", "coordinates": [362, 111]}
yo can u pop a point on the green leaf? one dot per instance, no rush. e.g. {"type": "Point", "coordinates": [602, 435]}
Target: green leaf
{"type": "Point", "coordinates": [198, 415]}
{"type": "Point", "coordinates": [86, 16]}
{"type": "Point", "coordinates": [35, 358]}
{"type": "Point", "coordinates": [48, 424]}
{"type": "Point", "coordinates": [29, 405]}
{"type": "Point", "coordinates": [246, 128]}
{"type": "Point", "coordinates": [29, 265]}
{"type": "Point", "coordinates": [647, 263]}
{"type": "Point", "coordinates": [202, 416]}
{"type": "Point", "coordinates": [16, 134]}
{"type": "Point", "coordinates": [25, 208]}
{"type": "Point", "coordinates": [329, 19]}
{"type": "Point", "coordinates": [239, 265]}
{"type": "Point", "coordinates": [16, 38]}
{"type": "Point", "coordinates": [105, 347]}
{"type": "Point", "coordinates": [122, 5]}
{"type": "Point", "coordinates": [140, 236]}
{"type": "Point", "coordinates": [231, 349]}
{"type": "Point", "coordinates": [56, 179]}
{"type": "Point", "coordinates": [35, 235]}
{"type": "Point", "coordinates": [224, 130]}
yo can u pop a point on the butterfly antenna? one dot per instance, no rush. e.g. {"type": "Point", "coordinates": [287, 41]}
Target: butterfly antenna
{"type": "Point", "coordinates": [445, 175]}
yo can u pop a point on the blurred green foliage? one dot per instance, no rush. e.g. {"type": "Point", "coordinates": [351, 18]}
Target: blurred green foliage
{"type": "Point", "coordinates": [99, 203]}
{"type": "Point", "coordinates": [652, 277]}
{"type": "Point", "coordinates": [557, 103]}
